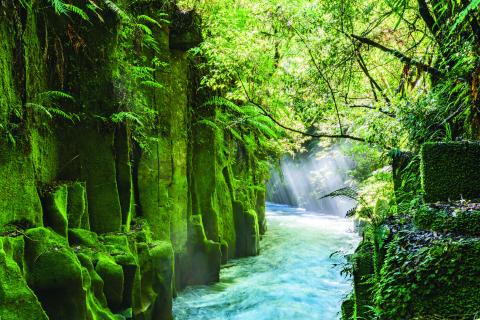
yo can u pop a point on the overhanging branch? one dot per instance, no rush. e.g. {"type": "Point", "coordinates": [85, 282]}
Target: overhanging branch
{"type": "Point", "coordinates": [398, 54]}
{"type": "Point", "coordinates": [313, 135]}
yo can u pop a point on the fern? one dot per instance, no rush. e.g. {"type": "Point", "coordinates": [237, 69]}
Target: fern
{"type": "Point", "coordinates": [53, 95]}
{"type": "Point", "coordinates": [125, 116]}
{"type": "Point", "coordinates": [263, 128]}
{"type": "Point", "coordinates": [152, 84]}
{"type": "Point", "coordinates": [144, 28]}
{"type": "Point", "coordinates": [50, 112]}
{"type": "Point", "coordinates": [59, 6]}
{"type": "Point", "coordinates": [77, 10]}
{"type": "Point", "coordinates": [209, 123]}
{"type": "Point", "coordinates": [148, 19]}
{"type": "Point", "coordinates": [222, 102]}
{"type": "Point", "coordinates": [116, 9]}
{"type": "Point", "coordinates": [345, 192]}
{"type": "Point", "coordinates": [39, 108]}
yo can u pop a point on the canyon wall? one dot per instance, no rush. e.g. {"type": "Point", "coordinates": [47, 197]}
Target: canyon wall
{"type": "Point", "coordinates": [113, 194]}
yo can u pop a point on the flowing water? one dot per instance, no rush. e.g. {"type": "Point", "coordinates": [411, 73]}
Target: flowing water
{"type": "Point", "coordinates": [293, 278]}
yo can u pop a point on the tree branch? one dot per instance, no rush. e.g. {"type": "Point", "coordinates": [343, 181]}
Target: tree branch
{"type": "Point", "coordinates": [399, 55]}
{"type": "Point", "coordinates": [313, 135]}
{"type": "Point", "coordinates": [427, 17]}
{"type": "Point", "coordinates": [390, 114]}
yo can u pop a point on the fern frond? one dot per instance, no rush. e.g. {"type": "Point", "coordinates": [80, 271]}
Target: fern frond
{"type": "Point", "coordinates": [263, 128]}
{"type": "Point", "coordinates": [152, 84]}
{"type": "Point", "coordinates": [222, 102]}
{"type": "Point", "coordinates": [59, 6]}
{"type": "Point", "coordinates": [345, 192]}
{"type": "Point", "coordinates": [39, 108]}
{"type": "Point", "coordinates": [126, 116]}
{"type": "Point", "coordinates": [116, 9]}
{"type": "Point", "coordinates": [25, 4]}
{"type": "Point", "coordinates": [53, 95]}
{"type": "Point", "coordinates": [66, 115]}
{"type": "Point", "coordinates": [151, 43]}
{"type": "Point", "coordinates": [144, 28]}
{"type": "Point", "coordinates": [92, 6]}
{"type": "Point", "coordinates": [209, 123]}
{"type": "Point", "coordinates": [149, 19]}
{"type": "Point", "coordinates": [237, 135]}
{"type": "Point", "coordinates": [77, 10]}
{"type": "Point", "coordinates": [352, 211]}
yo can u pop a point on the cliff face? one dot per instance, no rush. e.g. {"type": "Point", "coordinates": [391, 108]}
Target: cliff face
{"type": "Point", "coordinates": [114, 198]}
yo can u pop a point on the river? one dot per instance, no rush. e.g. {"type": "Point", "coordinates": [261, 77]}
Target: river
{"type": "Point", "coordinates": [294, 277]}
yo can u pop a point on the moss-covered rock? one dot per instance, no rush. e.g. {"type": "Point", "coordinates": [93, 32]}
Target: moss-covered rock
{"type": "Point", "coordinates": [450, 171]}
{"type": "Point", "coordinates": [120, 203]}
{"type": "Point", "coordinates": [363, 271]}
{"type": "Point", "coordinates": [157, 281]}
{"type": "Point", "coordinates": [246, 226]}
{"type": "Point", "coordinates": [77, 206]}
{"type": "Point", "coordinates": [17, 300]}
{"type": "Point", "coordinates": [112, 276]}
{"type": "Point", "coordinates": [429, 276]}
{"type": "Point", "coordinates": [20, 202]}
{"type": "Point", "coordinates": [205, 256]}
{"type": "Point", "coordinates": [55, 207]}
{"type": "Point", "coordinates": [458, 222]}
{"type": "Point", "coordinates": [348, 308]}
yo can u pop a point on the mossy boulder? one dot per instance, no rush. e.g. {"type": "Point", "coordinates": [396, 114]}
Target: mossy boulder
{"type": "Point", "coordinates": [450, 171]}
{"type": "Point", "coordinates": [112, 276]}
{"type": "Point", "coordinates": [56, 277]}
{"type": "Point", "coordinates": [77, 206]}
{"type": "Point", "coordinates": [19, 200]}
{"type": "Point", "coordinates": [205, 255]}
{"type": "Point", "coordinates": [17, 300]}
{"type": "Point", "coordinates": [428, 276]}
{"type": "Point", "coordinates": [157, 281]}
{"type": "Point", "coordinates": [55, 206]}
{"type": "Point", "coordinates": [246, 226]}
{"type": "Point", "coordinates": [348, 308]}
{"type": "Point", "coordinates": [458, 222]}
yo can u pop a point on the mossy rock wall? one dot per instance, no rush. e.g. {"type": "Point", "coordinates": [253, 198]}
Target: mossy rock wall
{"type": "Point", "coordinates": [423, 274]}
{"type": "Point", "coordinates": [450, 171]}
{"type": "Point", "coordinates": [101, 218]}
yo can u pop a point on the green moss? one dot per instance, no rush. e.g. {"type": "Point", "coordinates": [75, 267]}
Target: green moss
{"type": "Point", "coordinates": [348, 309]}
{"type": "Point", "coordinates": [466, 223]}
{"type": "Point", "coordinates": [56, 278]}
{"type": "Point", "coordinates": [205, 255]}
{"type": "Point", "coordinates": [260, 209]}
{"type": "Point", "coordinates": [19, 200]}
{"type": "Point", "coordinates": [363, 270]}
{"type": "Point", "coordinates": [82, 237]}
{"type": "Point", "coordinates": [55, 210]}
{"type": "Point", "coordinates": [112, 276]}
{"type": "Point", "coordinates": [77, 208]}
{"type": "Point", "coordinates": [157, 265]}
{"type": "Point", "coordinates": [17, 300]}
{"type": "Point", "coordinates": [426, 277]}
{"type": "Point", "coordinates": [450, 171]}
{"type": "Point", "coordinates": [246, 226]}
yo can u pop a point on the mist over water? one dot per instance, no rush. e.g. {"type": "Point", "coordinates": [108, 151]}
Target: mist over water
{"type": "Point", "coordinates": [293, 277]}
{"type": "Point", "coordinates": [303, 181]}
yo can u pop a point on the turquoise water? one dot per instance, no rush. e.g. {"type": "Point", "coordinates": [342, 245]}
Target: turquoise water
{"type": "Point", "coordinates": [293, 278]}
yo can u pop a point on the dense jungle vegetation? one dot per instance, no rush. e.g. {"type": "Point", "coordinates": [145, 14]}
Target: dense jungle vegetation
{"type": "Point", "coordinates": [137, 138]}
{"type": "Point", "coordinates": [386, 76]}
